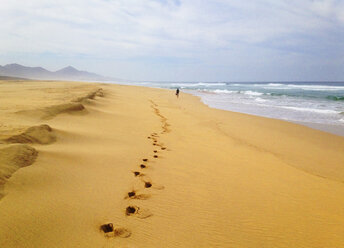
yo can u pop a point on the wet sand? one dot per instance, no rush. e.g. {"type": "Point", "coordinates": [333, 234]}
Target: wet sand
{"type": "Point", "coordinates": [334, 129]}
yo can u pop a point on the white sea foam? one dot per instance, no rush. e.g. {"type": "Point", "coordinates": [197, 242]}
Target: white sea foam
{"type": "Point", "coordinates": [247, 92]}
{"type": "Point", "coordinates": [263, 85]}
{"type": "Point", "coordinates": [320, 111]}
{"type": "Point", "coordinates": [276, 86]}
{"type": "Point", "coordinates": [301, 87]}
{"type": "Point", "coordinates": [252, 93]}
{"type": "Point", "coordinates": [196, 84]}
{"type": "Point", "coordinates": [225, 91]}
{"type": "Point", "coordinates": [293, 86]}
{"type": "Point", "coordinates": [211, 84]}
{"type": "Point", "coordinates": [316, 87]}
{"type": "Point", "coordinates": [258, 99]}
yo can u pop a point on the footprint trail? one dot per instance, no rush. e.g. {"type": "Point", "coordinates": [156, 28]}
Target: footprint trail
{"type": "Point", "coordinates": [146, 183]}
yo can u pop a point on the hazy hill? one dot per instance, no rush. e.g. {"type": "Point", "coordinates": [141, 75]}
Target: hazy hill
{"type": "Point", "coordinates": [11, 78]}
{"type": "Point", "coordinates": [67, 73]}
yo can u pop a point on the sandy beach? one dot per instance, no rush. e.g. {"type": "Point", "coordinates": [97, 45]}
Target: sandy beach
{"type": "Point", "coordinates": [165, 171]}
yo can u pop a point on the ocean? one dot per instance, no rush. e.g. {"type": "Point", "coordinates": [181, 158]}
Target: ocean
{"type": "Point", "coordinates": [319, 105]}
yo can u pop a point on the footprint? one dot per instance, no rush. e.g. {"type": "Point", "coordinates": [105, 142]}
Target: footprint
{"type": "Point", "coordinates": [131, 210]}
{"type": "Point", "coordinates": [131, 194]}
{"type": "Point", "coordinates": [137, 173]}
{"type": "Point", "coordinates": [163, 148]}
{"type": "Point", "coordinates": [134, 195]}
{"type": "Point", "coordinates": [145, 160]}
{"type": "Point", "coordinates": [107, 228]}
{"type": "Point", "coordinates": [109, 231]}
{"type": "Point", "coordinates": [148, 184]}
{"type": "Point", "coordinates": [138, 212]}
{"type": "Point", "coordinates": [143, 166]}
{"type": "Point", "coordinates": [155, 151]}
{"type": "Point", "coordinates": [155, 156]}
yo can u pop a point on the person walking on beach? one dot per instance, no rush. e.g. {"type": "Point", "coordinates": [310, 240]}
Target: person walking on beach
{"type": "Point", "coordinates": [177, 92]}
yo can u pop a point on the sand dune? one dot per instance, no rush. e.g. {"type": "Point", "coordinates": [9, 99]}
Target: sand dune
{"type": "Point", "coordinates": [141, 168]}
{"type": "Point", "coordinates": [91, 95]}
{"type": "Point", "coordinates": [42, 134]}
{"type": "Point", "coordinates": [70, 107]}
{"type": "Point", "coordinates": [13, 158]}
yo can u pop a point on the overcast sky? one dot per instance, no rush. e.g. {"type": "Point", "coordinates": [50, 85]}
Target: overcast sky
{"type": "Point", "coordinates": [184, 40]}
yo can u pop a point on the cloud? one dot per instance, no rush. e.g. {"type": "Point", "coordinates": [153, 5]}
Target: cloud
{"type": "Point", "coordinates": [194, 34]}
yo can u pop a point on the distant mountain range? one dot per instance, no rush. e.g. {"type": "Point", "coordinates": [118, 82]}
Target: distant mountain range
{"type": "Point", "coordinates": [11, 78]}
{"type": "Point", "coordinates": [67, 73]}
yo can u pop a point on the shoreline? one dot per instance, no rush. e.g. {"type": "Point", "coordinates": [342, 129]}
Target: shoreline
{"type": "Point", "coordinates": [332, 129]}
{"type": "Point", "coordinates": [163, 169]}
{"type": "Point", "coordinates": [328, 128]}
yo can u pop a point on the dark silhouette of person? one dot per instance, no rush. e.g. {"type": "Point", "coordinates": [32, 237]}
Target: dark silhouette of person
{"type": "Point", "coordinates": [177, 92]}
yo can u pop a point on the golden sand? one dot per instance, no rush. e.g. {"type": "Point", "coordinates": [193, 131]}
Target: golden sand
{"type": "Point", "coordinates": [72, 161]}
